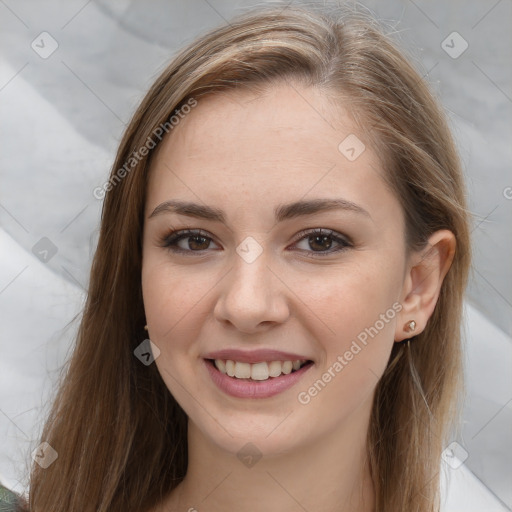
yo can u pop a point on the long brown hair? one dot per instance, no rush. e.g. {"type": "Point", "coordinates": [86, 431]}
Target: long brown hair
{"type": "Point", "coordinates": [120, 435]}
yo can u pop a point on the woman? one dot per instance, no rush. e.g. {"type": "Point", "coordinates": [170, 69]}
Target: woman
{"type": "Point", "coordinates": [286, 222]}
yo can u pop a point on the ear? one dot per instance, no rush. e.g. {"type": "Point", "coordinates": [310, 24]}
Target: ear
{"type": "Point", "coordinates": [426, 271]}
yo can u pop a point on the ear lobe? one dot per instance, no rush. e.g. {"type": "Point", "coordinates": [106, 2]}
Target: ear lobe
{"type": "Point", "coordinates": [422, 285]}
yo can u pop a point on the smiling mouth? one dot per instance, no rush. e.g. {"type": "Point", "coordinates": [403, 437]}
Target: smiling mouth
{"type": "Point", "coordinates": [261, 371]}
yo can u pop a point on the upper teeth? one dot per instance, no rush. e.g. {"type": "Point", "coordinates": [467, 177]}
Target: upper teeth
{"type": "Point", "coordinates": [257, 371]}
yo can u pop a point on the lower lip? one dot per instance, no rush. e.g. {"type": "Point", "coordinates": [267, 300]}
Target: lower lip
{"type": "Point", "coordinates": [247, 388]}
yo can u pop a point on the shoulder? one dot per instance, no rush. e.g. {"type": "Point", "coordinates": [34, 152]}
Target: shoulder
{"type": "Point", "coordinates": [8, 500]}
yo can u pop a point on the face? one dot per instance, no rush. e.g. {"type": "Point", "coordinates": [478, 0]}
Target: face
{"type": "Point", "coordinates": [248, 281]}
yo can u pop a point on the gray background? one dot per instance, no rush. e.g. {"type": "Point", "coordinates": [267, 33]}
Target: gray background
{"type": "Point", "coordinates": [63, 117]}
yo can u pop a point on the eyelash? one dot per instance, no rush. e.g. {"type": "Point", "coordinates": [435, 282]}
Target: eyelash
{"type": "Point", "coordinates": [170, 239]}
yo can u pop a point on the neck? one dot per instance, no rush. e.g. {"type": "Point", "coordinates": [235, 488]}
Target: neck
{"type": "Point", "coordinates": [328, 474]}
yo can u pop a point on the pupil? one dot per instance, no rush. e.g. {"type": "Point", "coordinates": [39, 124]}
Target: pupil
{"type": "Point", "coordinates": [190, 244]}
{"type": "Point", "coordinates": [323, 238]}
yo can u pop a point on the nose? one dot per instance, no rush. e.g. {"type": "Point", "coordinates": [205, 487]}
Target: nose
{"type": "Point", "coordinates": [252, 296]}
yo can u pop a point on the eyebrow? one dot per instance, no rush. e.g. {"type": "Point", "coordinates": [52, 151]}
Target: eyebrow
{"type": "Point", "coordinates": [281, 212]}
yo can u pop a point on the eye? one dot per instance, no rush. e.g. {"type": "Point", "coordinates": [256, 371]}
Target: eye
{"type": "Point", "coordinates": [321, 241]}
{"type": "Point", "coordinates": [198, 241]}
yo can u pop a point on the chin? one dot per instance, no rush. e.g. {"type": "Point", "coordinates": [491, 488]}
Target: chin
{"type": "Point", "coordinates": [260, 437]}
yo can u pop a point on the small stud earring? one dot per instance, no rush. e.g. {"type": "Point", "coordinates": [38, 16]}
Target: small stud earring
{"type": "Point", "coordinates": [145, 327]}
{"type": "Point", "coordinates": [410, 326]}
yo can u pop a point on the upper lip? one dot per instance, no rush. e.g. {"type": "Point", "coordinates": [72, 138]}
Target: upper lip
{"type": "Point", "coordinates": [254, 356]}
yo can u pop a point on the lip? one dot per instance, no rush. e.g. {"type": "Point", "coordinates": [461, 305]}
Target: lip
{"type": "Point", "coordinates": [247, 388]}
{"type": "Point", "coordinates": [254, 356]}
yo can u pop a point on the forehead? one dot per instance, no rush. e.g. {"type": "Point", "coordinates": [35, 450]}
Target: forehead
{"type": "Point", "coordinates": [249, 149]}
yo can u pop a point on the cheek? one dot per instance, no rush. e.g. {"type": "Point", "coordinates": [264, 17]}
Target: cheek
{"type": "Point", "coordinates": [176, 304]}
{"type": "Point", "coordinates": [171, 300]}
{"type": "Point", "coordinates": [353, 298]}
{"type": "Point", "coordinates": [358, 309]}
